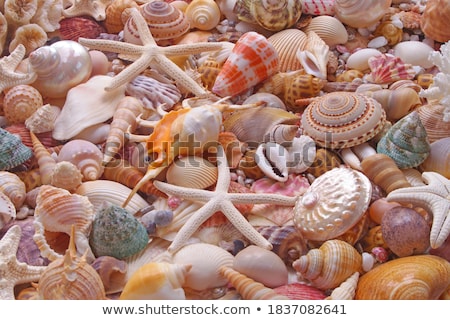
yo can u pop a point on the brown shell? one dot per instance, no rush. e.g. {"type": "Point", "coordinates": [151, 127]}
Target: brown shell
{"type": "Point", "coordinates": [74, 27]}
{"type": "Point", "coordinates": [20, 102]}
{"type": "Point", "coordinates": [324, 161]}
{"type": "Point", "coordinates": [435, 21]}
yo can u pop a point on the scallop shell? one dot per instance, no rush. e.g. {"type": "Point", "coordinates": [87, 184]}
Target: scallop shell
{"type": "Point", "coordinates": [386, 69]}
{"type": "Point", "coordinates": [43, 119]}
{"type": "Point", "coordinates": [406, 142]}
{"type": "Point", "coordinates": [349, 11]}
{"type": "Point", "coordinates": [343, 119]}
{"type": "Point", "coordinates": [271, 15]}
{"type": "Point", "coordinates": [12, 151]}
{"type": "Point", "coordinates": [20, 102]}
{"type": "Point", "coordinates": [116, 232]}
{"type": "Point", "coordinates": [329, 265]}
{"type": "Point", "coordinates": [31, 36]}
{"type": "Point", "coordinates": [435, 20]}
{"type": "Point", "coordinates": [439, 158]}
{"type": "Point", "coordinates": [252, 60]}
{"type": "Point", "coordinates": [314, 56]}
{"type": "Point", "coordinates": [203, 14]}
{"type": "Point", "coordinates": [423, 277]}
{"type": "Point", "coordinates": [192, 172]}
{"type": "Point", "coordinates": [329, 29]}
{"type": "Point", "coordinates": [112, 271]}
{"type": "Point", "coordinates": [431, 115]}
{"type": "Point", "coordinates": [414, 52]}
{"type": "Point", "coordinates": [13, 188]}
{"type": "Point", "coordinates": [74, 27]}
{"type": "Point", "coordinates": [113, 19]}
{"type": "Point", "coordinates": [333, 204]}
{"type": "Point", "coordinates": [7, 210]}
{"type": "Point", "coordinates": [156, 281]}
{"type": "Point", "coordinates": [287, 42]}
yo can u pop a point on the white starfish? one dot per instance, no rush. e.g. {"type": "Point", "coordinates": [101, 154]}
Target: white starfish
{"type": "Point", "coordinates": [435, 198]}
{"type": "Point", "coordinates": [13, 272]}
{"type": "Point", "coordinates": [8, 76]}
{"type": "Point", "coordinates": [148, 53]}
{"type": "Point", "coordinates": [221, 200]}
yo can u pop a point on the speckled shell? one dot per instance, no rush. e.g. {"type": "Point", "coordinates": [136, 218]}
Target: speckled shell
{"type": "Point", "coordinates": [20, 102]}
{"type": "Point", "coordinates": [13, 188]}
{"type": "Point", "coordinates": [74, 27]}
{"type": "Point", "coordinates": [406, 142]}
{"type": "Point", "coordinates": [43, 119]}
{"type": "Point", "coordinates": [431, 115]}
{"type": "Point", "coordinates": [252, 60]}
{"type": "Point", "coordinates": [349, 11]}
{"type": "Point", "coordinates": [112, 271]}
{"type": "Point", "coordinates": [31, 36]}
{"type": "Point", "coordinates": [329, 29]}
{"type": "Point", "coordinates": [386, 69]}
{"type": "Point", "coordinates": [343, 119]}
{"type": "Point", "coordinates": [318, 7]}
{"type": "Point", "coordinates": [435, 20]}
{"type": "Point", "coordinates": [85, 155]}
{"type": "Point", "coordinates": [333, 204]}
{"type": "Point", "coordinates": [325, 160]}
{"type": "Point", "coordinates": [271, 15]}
{"type": "Point", "coordinates": [203, 14]}
{"type": "Point", "coordinates": [192, 172]}
{"type": "Point", "coordinates": [59, 67]}
{"type": "Point", "coordinates": [439, 158]}
{"type": "Point", "coordinates": [206, 260]}
{"type": "Point", "coordinates": [113, 20]}
{"type": "Point", "coordinates": [156, 281]}
{"type": "Point", "coordinates": [286, 42]}
{"type": "Point", "coordinates": [12, 151]}
{"type": "Point", "coordinates": [116, 233]}
{"type": "Point", "coordinates": [329, 265]}
{"type": "Point", "coordinates": [7, 210]}
{"type": "Point", "coordinates": [422, 277]}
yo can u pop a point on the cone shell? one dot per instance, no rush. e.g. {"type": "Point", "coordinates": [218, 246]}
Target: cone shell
{"type": "Point", "coordinates": [347, 118]}
{"type": "Point", "coordinates": [422, 277]}
{"type": "Point", "coordinates": [439, 158]}
{"type": "Point", "coordinates": [116, 233]}
{"type": "Point", "coordinates": [333, 204]}
{"type": "Point", "coordinates": [13, 188]}
{"type": "Point", "coordinates": [349, 11]}
{"type": "Point", "coordinates": [435, 20]}
{"type": "Point", "coordinates": [329, 29]}
{"type": "Point", "coordinates": [252, 60]}
{"type": "Point", "coordinates": [286, 42]}
{"type": "Point", "coordinates": [12, 151]}
{"type": "Point", "coordinates": [20, 102]}
{"type": "Point", "coordinates": [192, 172]}
{"type": "Point", "coordinates": [156, 281]}
{"type": "Point", "coordinates": [329, 265]}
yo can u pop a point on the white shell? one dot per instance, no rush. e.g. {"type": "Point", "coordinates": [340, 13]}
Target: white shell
{"type": "Point", "coordinates": [359, 59]}
{"type": "Point", "coordinates": [192, 172]}
{"type": "Point", "coordinates": [271, 159]}
{"type": "Point", "coordinates": [414, 52]}
{"type": "Point", "coordinates": [330, 29]}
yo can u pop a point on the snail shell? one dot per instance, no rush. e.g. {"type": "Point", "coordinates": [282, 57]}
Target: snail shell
{"type": "Point", "coordinates": [12, 187]}
{"type": "Point", "coordinates": [20, 102]}
{"type": "Point", "coordinates": [203, 14]}
{"type": "Point", "coordinates": [43, 119]}
{"type": "Point", "coordinates": [66, 175]}
{"type": "Point", "coordinates": [349, 11]}
{"type": "Point", "coordinates": [192, 172]}
{"type": "Point", "coordinates": [12, 151]}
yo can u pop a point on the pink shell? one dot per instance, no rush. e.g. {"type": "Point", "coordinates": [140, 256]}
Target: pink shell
{"type": "Point", "coordinates": [387, 68]}
{"type": "Point", "coordinates": [318, 7]}
{"type": "Point", "coordinates": [299, 291]}
{"type": "Point", "coordinates": [75, 27]}
{"type": "Point", "coordinates": [252, 60]}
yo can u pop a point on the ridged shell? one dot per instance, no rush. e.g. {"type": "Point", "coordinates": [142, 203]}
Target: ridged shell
{"type": "Point", "coordinates": [318, 7]}
{"type": "Point", "coordinates": [20, 102]}
{"type": "Point", "coordinates": [113, 20]}
{"type": "Point", "coordinates": [439, 158]}
{"type": "Point", "coordinates": [156, 281]}
{"type": "Point", "coordinates": [192, 172]}
{"type": "Point", "coordinates": [31, 36]}
{"type": "Point", "coordinates": [116, 232]}
{"type": "Point", "coordinates": [349, 11]}
{"type": "Point", "coordinates": [333, 204]}
{"type": "Point", "coordinates": [12, 151]}
{"type": "Point", "coordinates": [13, 188]}
{"type": "Point", "coordinates": [252, 60]}
{"type": "Point", "coordinates": [423, 277]}
{"type": "Point", "coordinates": [206, 260]}
{"type": "Point", "coordinates": [75, 27]}
{"type": "Point", "coordinates": [329, 29]}
{"type": "Point", "coordinates": [386, 69]}
{"type": "Point", "coordinates": [67, 176]}
{"type": "Point", "coordinates": [431, 115]}
{"type": "Point", "coordinates": [329, 265]}
{"type": "Point", "coordinates": [343, 119]}
{"type": "Point", "coordinates": [435, 20]}
{"type": "Point", "coordinates": [286, 42]}
{"type": "Point", "coordinates": [43, 119]}
{"type": "Point", "coordinates": [112, 271]}
{"type": "Point", "coordinates": [7, 210]}
{"type": "Point", "coordinates": [45, 160]}
{"type": "Point", "coordinates": [406, 142]}
{"type": "Point", "coordinates": [203, 14]}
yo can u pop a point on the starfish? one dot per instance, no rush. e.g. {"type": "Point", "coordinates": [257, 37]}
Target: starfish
{"type": "Point", "coordinates": [221, 200]}
{"type": "Point", "coordinates": [13, 272]}
{"type": "Point", "coordinates": [435, 198]}
{"type": "Point", "coordinates": [8, 76]}
{"type": "Point", "coordinates": [149, 52]}
{"type": "Point", "coordinates": [93, 8]}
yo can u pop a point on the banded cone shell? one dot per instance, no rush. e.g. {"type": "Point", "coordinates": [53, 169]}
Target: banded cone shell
{"type": "Point", "coordinates": [252, 60]}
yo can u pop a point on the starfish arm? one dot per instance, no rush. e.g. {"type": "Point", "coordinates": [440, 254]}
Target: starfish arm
{"type": "Point", "coordinates": [130, 72]}
{"type": "Point", "coordinates": [259, 198]}
{"type": "Point", "coordinates": [239, 221]}
{"type": "Point", "coordinates": [112, 46]}
{"type": "Point", "coordinates": [26, 273]}
{"type": "Point", "coordinates": [198, 195]}
{"type": "Point", "coordinates": [9, 243]}
{"type": "Point", "coordinates": [191, 48]}
{"type": "Point", "coordinates": [93, 8]}
{"type": "Point", "coordinates": [6, 290]}
{"type": "Point", "coordinates": [15, 57]}
{"type": "Point", "coordinates": [194, 222]}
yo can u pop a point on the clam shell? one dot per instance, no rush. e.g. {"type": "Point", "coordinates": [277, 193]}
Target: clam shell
{"type": "Point", "coordinates": [286, 42]}
{"type": "Point", "coordinates": [431, 115]}
{"type": "Point", "coordinates": [359, 59]}
{"type": "Point", "coordinates": [20, 102]}
{"type": "Point", "coordinates": [192, 172]}
{"type": "Point", "coordinates": [439, 158]}
{"type": "Point", "coordinates": [333, 204]}
{"type": "Point", "coordinates": [414, 52]}
{"type": "Point", "coordinates": [350, 11]}
{"type": "Point", "coordinates": [12, 151]}
{"type": "Point", "coordinates": [329, 29]}
{"type": "Point", "coordinates": [435, 20]}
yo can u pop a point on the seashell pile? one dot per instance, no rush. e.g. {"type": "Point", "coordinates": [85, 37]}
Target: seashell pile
{"type": "Point", "coordinates": [216, 149]}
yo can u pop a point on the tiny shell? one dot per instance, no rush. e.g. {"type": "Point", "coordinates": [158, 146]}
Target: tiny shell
{"type": "Point", "coordinates": [192, 172]}
{"type": "Point", "coordinates": [66, 175]}
{"type": "Point", "coordinates": [330, 29]}
{"type": "Point", "coordinates": [414, 52]}
{"type": "Point", "coordinates": [390, 32]}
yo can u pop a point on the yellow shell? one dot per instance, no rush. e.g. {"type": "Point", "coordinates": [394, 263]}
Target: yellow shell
{"type": "Point", "coordinates": [192, 172]}
{"type": "Point", "coordinates": [20, 102]}
{"type": "Point", "coordinates": [329, 265]}
{"type": "Point", "coordinates": [13, 188]}
{"type": "Point", "coordinates": [203, 14]}
{"type": "Point", "coordinates": [113, 19]}
{"type": "Point", "coordinates": [329, 28]}
{"type": "Point", "coordinates": [391, 32]}
{"type": "Point", "coordinates": [422, 277]}
{"type": "Point", "coordinates": [286, 43]}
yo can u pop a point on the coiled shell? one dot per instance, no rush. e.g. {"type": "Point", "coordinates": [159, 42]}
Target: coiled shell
{"type": "Point", "coordinates": [329, 265]}
{"type": "Point", "coordinates": [113, 20]}
{"type": "Point", "coordinates": [386, 69]}
{"type": "Point", "coordinates": [435, 20]}
{"type": "Point", "coordinates": [43, 119]}
{"type": "Point", "coordinates": [13, 188]}
{"type": "Point", "coordinates": [333, 204]}
{"type": "Point", "coordinates": [349, 11]}
{"type": "Point", "coordinates": [203, 14]}
{"type": "Point", "coordinates": [325, 160]}
{"type": "Point", "coordinates": [329, 29]}
{"type": "Point", "coordinates": [12, 151]}
{"type": "Point", "coordinates": [20, 102]}
{"type": "Point", "coordinates": [421, 277]}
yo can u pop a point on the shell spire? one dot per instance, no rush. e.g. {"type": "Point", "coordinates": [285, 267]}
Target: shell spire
{"type": "Point", "coordinates": [45, 160]}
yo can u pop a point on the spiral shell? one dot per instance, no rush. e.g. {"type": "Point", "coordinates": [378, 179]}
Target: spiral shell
{"type": "Point", "coordinates": [203, 14]}
{"type": "Point", "coordinates": [286, 42]}
{"type": "Point", "coordinates": [45, 160]}
{"type": "Point", "coordinates": [192, 172]}
{"type": "Point", "coordinates": [113, 20]}
{"type": "Point", "coordinates": [31, 36]}
{"type": "Point", "coordinates": [439, 158]}
{"type": "Point", "coordinates": [329, 265]}
{"type": "Point", "coordinates": [435, 20]}
{"type": "Point", "coordinates": [13, 188]}
{"type": "Point", "coordinates": [12, 151]}
{"type": "Point", "coordinates": [343, 119]}
{"type": "Point", "coordinates": [329, 29]}
{"type": "Point", "coordinates": [43, 119]}
{"type": "Point", "coordinates": [20, 102]}
{"type": "Point", "coordinates": [349, 11]}
{"type": "Point", "coordinates": [422, 277]}
{"type": "Point", "coordinates": [66, 175]}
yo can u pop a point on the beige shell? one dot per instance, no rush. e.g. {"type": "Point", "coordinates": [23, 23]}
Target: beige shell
{"type": "Point", "coordinates": [329, 265]}
{"type": "Point", "coordinates": [3, 31]}
{"type": "Point", "coordinates": [7, 210]}
{"type": "Point", "coordinates": [192, 172]}
{"type": "Point", "coordinates": [203, 14]}
{"type": "Point", "coordinates": [414, 52]}
{"type": "Point", "coordinates": [333, 204]}
{"type": "Point", "coordinates": [48, 14]}
{"type": "Point", "coordinates": [329, 29]}
{"type": "Point", "coordinates": [45, 160]}
{"type": "Point", "coordinates": [19, 13]}
{"type": "Point", "coordinates": [20, 102]}
{"type": "Point", "coordinates": [435, 20]}
{"type": "Point", "coordinates": [206, 260]}
{"type": "Point", "coordinates": [13, 188]}
{"type": "Point", "coordinates": [286, 43]}
{"type": "Point", "coordinates": [431, 115]}
{"type": "Point", "coordinates": [32, 36]}
{"type": "Point", "coordinates": [361, 14]}
{"type": "Point", "coordinates": [67, 176]}
{"type": "Point", "coordinates": [422, 277]}
{"type": "Point", "coordinates": [113, 19]}
{"type": "Point", "coordinates": [314, 56]}
{"type": "Point", "coordinates": [439, 158]}
{"type": "Point", "coordinates": [156, 281]}
{"type": "Point", "coordinates": [346, 290]}
{"type": "Point", "coordinates": [359, 59]}
{"type": "Point", "coordinates": [43, 119]}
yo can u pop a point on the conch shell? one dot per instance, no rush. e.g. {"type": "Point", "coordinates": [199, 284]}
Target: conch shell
{"type": "Point", "coordinates": [314, 56]}
{"type": "Point", "coordinates": [203, 14]}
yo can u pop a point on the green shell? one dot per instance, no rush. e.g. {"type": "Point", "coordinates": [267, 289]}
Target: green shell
{"type": "Point", "coordinates": [12, 151]}
{"type": "Point", "coordinates": [116, 232]}
{"type": "Point", "coordinates": [406, 142]}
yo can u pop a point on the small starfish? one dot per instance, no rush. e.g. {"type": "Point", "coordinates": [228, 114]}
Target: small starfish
{"type": "Point", "coordinates": [13, 272]}
{"type": "Point", "coordinates": [8, 76]}
{"type": "Point", "coordinates": [221, 200]}
{"type": "Point", "coordinates": [93, 8]}
{"type": "Point", "coordinates": [435, 198]}
{"type": "Point", "coordinates": [144, 55]}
